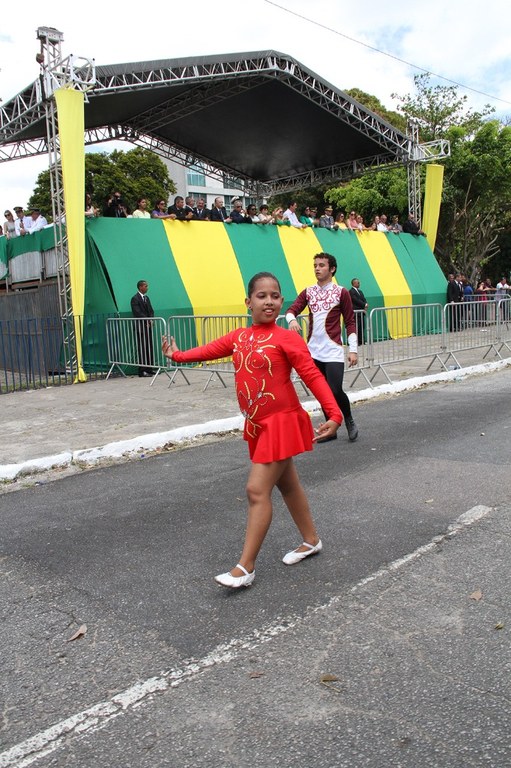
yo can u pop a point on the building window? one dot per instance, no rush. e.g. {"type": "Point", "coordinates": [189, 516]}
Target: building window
{"type": "Point", "coordinates": [195, 176]}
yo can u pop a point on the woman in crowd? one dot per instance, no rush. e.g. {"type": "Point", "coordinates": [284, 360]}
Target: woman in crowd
{"type": "Point", "coordinates": [9, 225]}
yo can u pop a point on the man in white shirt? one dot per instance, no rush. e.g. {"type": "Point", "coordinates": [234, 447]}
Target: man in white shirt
{"type": "Point", "coordinates": [23, 224]}
{"type": "Point", "coordinates": [327, 303]}
{"type": "Point", "coordinates": [382, 224]}
{"type": "Point", "coordinates": [38, 221]}
{"type": "Point", "coordinates": [290, 215]}
{"type": "Point", "coordinates": [502, 295]}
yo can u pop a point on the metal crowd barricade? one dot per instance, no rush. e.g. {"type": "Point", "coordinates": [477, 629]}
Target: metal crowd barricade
{"type": "Point", "coordinates": [472, 325]}
{"type": "Point", "coordinates": [397, 334]}
{"type": "Point", "coordinates": [504, 324]}
{"type": "Point", "coordinates": [196, 330]}
{"type": "Point", "coordinates": [134, 342]}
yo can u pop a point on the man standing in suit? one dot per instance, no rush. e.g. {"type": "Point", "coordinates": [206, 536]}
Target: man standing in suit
{"type": "Point", "coordinates": [359, 303]}
{"type": "Point", "coordinates": [218, 212]}
{"type": "Point", "coordinates": [454, 297]}
{"type": "Point", "coordinates": [201, 212]}
{"type": "Point", "coordinates": [142, 309]}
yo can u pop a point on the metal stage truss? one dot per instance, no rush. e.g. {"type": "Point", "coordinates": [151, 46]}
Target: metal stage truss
{"type": "Point", "coordinates": [157, 104]}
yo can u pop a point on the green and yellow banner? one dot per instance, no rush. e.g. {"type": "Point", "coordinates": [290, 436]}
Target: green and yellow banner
{"type": "Point", "coordinates": [202, 268]}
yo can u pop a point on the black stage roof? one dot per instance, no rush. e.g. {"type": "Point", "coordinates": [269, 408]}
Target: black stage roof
{"type": "Point", "coordinates": [261, 116]}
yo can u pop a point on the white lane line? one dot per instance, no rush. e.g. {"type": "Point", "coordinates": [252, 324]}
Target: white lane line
{"type": "Point", "coordinates": [98, 716]}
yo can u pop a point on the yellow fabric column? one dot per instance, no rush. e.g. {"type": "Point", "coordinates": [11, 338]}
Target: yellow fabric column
{"type": "Point", "coordinates": [71, 129]}
{"type": "Point", "coordinates": [432, 200]}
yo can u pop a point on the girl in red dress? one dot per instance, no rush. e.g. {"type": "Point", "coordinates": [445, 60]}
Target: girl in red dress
{"type": "Point", "coordinates": [276, 426]}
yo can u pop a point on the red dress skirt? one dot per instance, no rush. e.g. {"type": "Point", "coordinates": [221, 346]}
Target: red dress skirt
{"type": "Point", "coordinates": [276, 425]}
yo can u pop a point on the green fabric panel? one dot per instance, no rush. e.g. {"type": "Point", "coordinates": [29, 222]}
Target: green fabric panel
{"type": "Point", "coordinates": [425, 278]}
{"type": "Point", "coordinates": [138, 249]}
{"type": "Point", "coordinates": [432, 277]}
{"type": "Point", "coordinates": [98, 294]}
{"type": "Point", "coordinates": [99, 305]}
{"type": "Point", "coordinates": [258, 249]}
{"type": "Point", "coordinates": [43, 240]}
{"type": "Point", "coordinates": [351, 262]}
{"type": "Point", "coordinates": [3, 257]}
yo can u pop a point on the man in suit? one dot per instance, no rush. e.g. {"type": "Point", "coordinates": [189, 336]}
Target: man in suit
{"type": "Point", "coordinates": [218, 212]}
{"type": "Point", "coordinates": [201, 212]}
{"type": "Point", "coordinates": [359, 303]}
{"type": "Point", "coordinates": [454, 297]}
{"type": "Point", "coordinates": [142, 309]}
{"type": "Point", "coordinates": [179, 210]}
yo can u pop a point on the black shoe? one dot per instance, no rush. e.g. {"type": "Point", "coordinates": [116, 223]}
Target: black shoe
{"type": "Point", "coordinates": [144, 374]}
{"type": "Point", "coordinates": [326, 439]}
{"type": "Point", "coordinates": [352, 429]}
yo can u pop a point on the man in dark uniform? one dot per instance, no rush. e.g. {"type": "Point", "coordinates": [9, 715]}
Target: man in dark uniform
{"type": "Point", "coordinates": [454, 297]}
{"type": "Point", "coordinates": [359, 303]}
{"type": "Point", "coordinates": [142, 309]}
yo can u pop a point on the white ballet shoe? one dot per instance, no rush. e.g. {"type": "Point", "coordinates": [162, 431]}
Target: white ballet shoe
{"type": "Point", "coordinates": [234, 582]}
{"type": "Point", "coordinates": [294, 557]}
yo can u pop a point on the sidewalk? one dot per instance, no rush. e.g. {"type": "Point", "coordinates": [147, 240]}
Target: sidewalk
{"type": "Point", "coordinates": [81, 424]}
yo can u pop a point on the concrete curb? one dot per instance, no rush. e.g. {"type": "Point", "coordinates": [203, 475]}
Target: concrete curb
{"type": "Point", "coordinates": [151, 442]}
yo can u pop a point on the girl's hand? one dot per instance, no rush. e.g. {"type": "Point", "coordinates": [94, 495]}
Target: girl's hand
{"type": "Point", "coordinates": [168, 348]}
{"type": "Point", "coordinates": [328, 429]}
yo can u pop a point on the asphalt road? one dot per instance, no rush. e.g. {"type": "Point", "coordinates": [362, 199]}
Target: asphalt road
{"type": "Point", "coordinates": [130, 551]}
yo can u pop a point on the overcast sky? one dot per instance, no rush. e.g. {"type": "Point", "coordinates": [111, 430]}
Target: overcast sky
{"type": "Point", "coordinates": [463, 41]}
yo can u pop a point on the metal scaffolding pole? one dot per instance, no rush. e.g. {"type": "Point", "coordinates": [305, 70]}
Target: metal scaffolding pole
{"type": "Point", "coordinates": [57, 72]}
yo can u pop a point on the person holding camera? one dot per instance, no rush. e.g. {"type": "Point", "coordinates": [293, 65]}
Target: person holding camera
{"type": "Point", "coordinates": [115, 206]}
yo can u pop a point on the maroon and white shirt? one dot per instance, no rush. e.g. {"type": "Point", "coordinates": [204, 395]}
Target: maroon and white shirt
{"type": "Point", "coordinates": [327, 303]}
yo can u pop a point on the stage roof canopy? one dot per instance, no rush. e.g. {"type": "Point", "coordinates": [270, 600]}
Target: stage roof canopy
{"type": "Point", "coordinates": [261, 117]}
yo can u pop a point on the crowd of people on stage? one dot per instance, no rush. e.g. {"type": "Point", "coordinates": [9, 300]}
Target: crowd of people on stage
{"type": "Point", "coordinates": [190, 209]}
{"type": "Point", "coordinates": [21, 222]}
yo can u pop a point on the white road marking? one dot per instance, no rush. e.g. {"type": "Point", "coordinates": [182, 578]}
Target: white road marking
{"type": "Point", "coordinates": [98, 716]}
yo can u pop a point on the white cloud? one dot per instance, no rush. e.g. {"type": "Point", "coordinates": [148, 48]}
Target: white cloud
{"type": "Point", "coordinates": [464, 44]}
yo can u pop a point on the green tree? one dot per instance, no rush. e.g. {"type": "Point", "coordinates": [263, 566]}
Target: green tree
{"type": "Point", "coordinates": [135, 173]}
{"type": "Point", "coordinates": [374, 193]}
{"type": "Point", "coordinates": [437, 108]}
{"type": "Point", "coordinates": [475, 218]}
{"type": "Point", "coordinates": [477, 199]}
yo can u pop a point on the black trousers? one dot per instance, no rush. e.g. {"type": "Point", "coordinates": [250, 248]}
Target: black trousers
{"type": "Point", "coordinates": [334, 374]}
{"type": "Point", "coordinates": [145, 347]}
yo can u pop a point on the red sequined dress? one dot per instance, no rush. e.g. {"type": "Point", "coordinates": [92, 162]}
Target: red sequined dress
{"type": "Point", "coordinates": [276, 425]}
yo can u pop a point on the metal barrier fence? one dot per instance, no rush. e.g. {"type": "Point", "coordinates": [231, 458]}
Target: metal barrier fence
{"type": "Point", "coordinates": [196, 330]}
{"type": "Point", "coordinates": [397, 334]}
{"type": "Point", "coordinates": [478, 324]}
{"type": "Point", "coordinates": [135, 342]}
{"type": "Point", "coordinates": [32, 352]}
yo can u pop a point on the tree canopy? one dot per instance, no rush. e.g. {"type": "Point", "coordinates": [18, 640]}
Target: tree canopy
{"type": "Point", "coordinates": [135, 173]}
{"type": "Point", "coordinates": [475, 216]}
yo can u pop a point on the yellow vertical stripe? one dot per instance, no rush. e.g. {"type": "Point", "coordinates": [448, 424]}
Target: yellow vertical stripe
{"type": "Point", "coordinates": [71, 127]}
{"type": "Point", "coordinates": [389, 276]}
{"type": "Point", "coordinates": [432, 200]}
{"type": "Point", "coordinates": [300, 246]}
{"type": "Point", "coordinates": [208, 266]}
